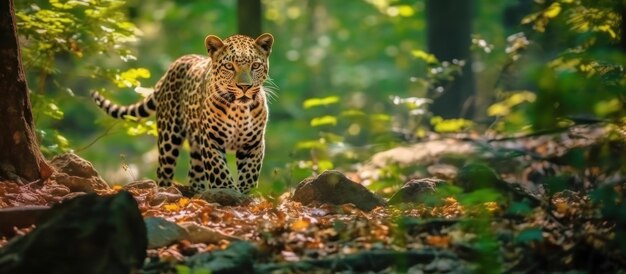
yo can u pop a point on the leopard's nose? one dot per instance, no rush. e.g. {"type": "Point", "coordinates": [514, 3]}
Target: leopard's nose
{"type": "Point", "coordinates": [244, 87]}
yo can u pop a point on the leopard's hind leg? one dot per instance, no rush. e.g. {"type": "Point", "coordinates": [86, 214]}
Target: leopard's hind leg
{"type": "Point", "coordinates": [171, 137]}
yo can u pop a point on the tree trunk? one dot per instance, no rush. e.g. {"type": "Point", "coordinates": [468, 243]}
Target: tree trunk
{"type": "Point", "coordinates": [622, 11]}
{"type": "Point", "coordinates": [448, 33]}
{"type": "Point", "coordinates": [20, 156]}
{"type": "Point", "coordinates": [249, 17]}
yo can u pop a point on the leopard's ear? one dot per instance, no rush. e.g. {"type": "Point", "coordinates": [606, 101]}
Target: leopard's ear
{"type": "Point", "coordinates": [265, 41]}
{"type": "Point", "coordinates": [213, 44]}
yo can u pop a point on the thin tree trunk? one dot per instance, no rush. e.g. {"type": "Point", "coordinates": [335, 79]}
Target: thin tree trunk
{"type": "Point", "coordinates": [448, 29]}
{"type": "Point", "coordinates": [249, 17]}
{"type": "Point", "coordinates": [20, 156]}
{"type": "Point", "coordinates": [622, 10]}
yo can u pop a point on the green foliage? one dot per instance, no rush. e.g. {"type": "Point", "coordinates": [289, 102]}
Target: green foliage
{"type": "Point", "coordinates": [56, 33]}
{"type": "Point", "coordinates": [76, 27]}
{"type": "Point", "coordinates": [129, 78]}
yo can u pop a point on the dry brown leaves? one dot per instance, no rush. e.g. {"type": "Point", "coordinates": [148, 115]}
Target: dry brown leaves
{"type": "Point", "coordinates": [288, 231]}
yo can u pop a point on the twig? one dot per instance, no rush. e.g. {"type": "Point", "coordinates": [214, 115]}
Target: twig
{"type": "Point", "coordinates": [106, 132]}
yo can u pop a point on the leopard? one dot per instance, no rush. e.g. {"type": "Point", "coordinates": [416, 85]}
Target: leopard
{"type": "Point", "coordinates": [218, 104]}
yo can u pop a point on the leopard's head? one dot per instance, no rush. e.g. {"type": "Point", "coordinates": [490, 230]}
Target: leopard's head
{"type": "Point", "coordinates": [239, 66]}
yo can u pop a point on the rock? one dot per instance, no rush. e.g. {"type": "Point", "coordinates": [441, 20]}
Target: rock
{"type": "Point", "coordinates": [237, 258]}
{"type": "Point", "coordinates": [414, 191]}
{"type": "Point", "coordinates": [73, 165]}
{"type": "Point", "coordinates": [141, 184]}
{"type": "Point", "coordinates": [162, 232]}
{"type": "Point", "coordinates": [196, 233]}
{"type": "Point", "coordinates": [77, 174]}
{"type": "Point", "coordinates": [87, 234]}
{"type": "Point", "coordinates": [333, 187]}
{"type": "Point", "coordinates": [186, 190]}
{"type": "Point", "coordinates": [165, 195]}
{"type": "Point", "coordinates": [79, 184]}
{"type": "Point", "coordinates": [225, 197]}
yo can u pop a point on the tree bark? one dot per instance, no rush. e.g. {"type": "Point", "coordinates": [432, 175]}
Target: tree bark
{"type": "Point", "coordinates": [448, 33]}
{"type": "Point", "coordinates": [249, 17]}
{"type": "Point", "coordinates": [20, 157]}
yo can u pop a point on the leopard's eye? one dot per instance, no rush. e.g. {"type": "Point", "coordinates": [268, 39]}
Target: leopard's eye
{"type": "Point", "coordinates": [229, 66]}
{"type": "Point", "coordinates": [256, 65]}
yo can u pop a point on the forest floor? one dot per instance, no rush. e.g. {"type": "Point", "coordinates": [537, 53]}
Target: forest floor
{"type": "Point", "coordinates": [543, 203]}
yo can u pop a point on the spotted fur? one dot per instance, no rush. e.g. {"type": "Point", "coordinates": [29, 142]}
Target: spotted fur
{"type": "Point", "coordinates": [217, 103]}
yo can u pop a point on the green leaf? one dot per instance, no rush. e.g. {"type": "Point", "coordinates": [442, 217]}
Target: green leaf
{"type": "Point", "coordinates": [314, 102]}
{"type": "Point", "coordinates": [450, 125]}
{"type": "Point", "coordinates": [53, 111]}
{"type": "Point", "coordinates": [324, 165]}
{"type": "Point", "coordinates": [314, 144]}
{"type": "Point", "coordinates": [425, 56]}
{"type": "Point", "coordinates": [129, 78]}
{"type": "Point", "coordinates": [504, 107]}
{"type": "Point", "coordinates": [62, 141]}
{"type": "Point", "coordinates": [324, 121]}
{"type": "Point", "coordinates": [380, 117]}
{"type": "Point", "coordinates": [553, 10]}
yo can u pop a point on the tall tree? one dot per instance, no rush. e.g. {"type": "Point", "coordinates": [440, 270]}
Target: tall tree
{"type": "Point", "coordinates": [249, 17]}
{"type": "Point", "coordinates": [449, 37]}
{"type": "Point", "coordinates": [20, 156]}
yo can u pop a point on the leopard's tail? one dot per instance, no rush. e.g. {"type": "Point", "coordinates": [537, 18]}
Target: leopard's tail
{"type": "Point", "coordinates": [142, 109]}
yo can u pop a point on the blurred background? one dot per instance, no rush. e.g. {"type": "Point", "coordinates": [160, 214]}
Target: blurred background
{"type": "Point", "coordinates": [350, 78]}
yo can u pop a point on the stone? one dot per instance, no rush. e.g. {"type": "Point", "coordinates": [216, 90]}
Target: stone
{"type": "Point", "coordinates": [415, 191]}
{"type": "Point", "coordinates": [79, 184]}
{"type": "Point", "coordinates": [225, 197]}
{"type": "Point", "coordinates": [140, 184]}
{"type": "Point", "coordinates": [196, 233]}
{"type": "Point", "coordinates": [165, 195]}
{"type": "Point", "coordinates": [237, 258]}
{"type": "Point", "coordinates": [73, 165]}
{"type": "Point", "coordinates": [333, 187]}
{"type": "Point", "coordinates": [77, 174]}
{"type": "Point", "coordinates": [162, 232]}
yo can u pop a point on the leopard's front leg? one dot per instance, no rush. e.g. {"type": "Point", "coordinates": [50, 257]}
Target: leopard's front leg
{"type": "Point", "coordinates": [249, 161]}
{"type": "Point", "coordinates": [215, 165]}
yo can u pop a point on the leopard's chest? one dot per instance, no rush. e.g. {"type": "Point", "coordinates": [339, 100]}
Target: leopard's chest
{"type": "Point", "coordinates": [238, 126]}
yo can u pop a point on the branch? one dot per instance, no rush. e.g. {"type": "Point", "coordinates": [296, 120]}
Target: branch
{"type": "Point", "coordinates": [106, 132]}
